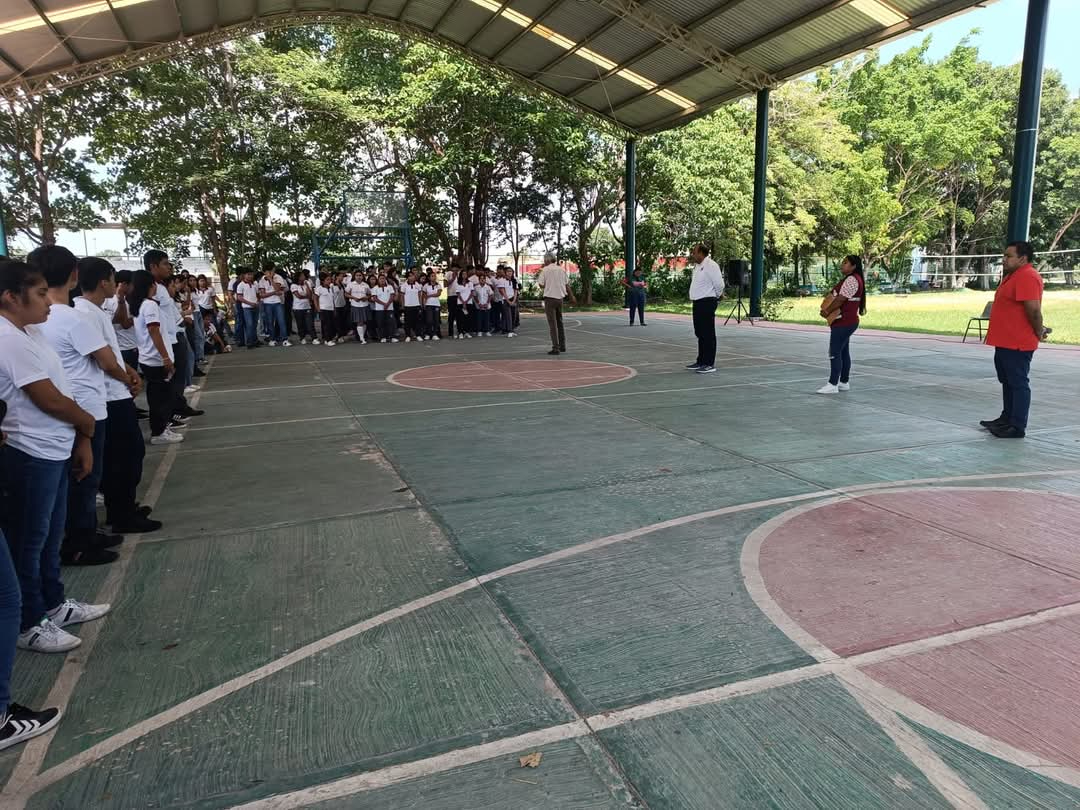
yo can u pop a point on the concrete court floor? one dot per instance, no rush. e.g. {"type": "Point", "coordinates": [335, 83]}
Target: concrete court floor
{"type": "Point", "coordinates": [684, 591]}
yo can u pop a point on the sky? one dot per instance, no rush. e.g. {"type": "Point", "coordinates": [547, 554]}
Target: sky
{"type": "Point", "coordinates": [1000, 39]}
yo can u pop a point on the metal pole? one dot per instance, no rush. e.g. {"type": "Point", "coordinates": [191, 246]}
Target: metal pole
{"type": "Point", "coordinates": [761, 164]}
{"type": "Point", "coordinates": [630, 226]}
{"type": "Point", "coordinates": [1027, 121]}
{"type": "Point", "coordinates": [3, 231]}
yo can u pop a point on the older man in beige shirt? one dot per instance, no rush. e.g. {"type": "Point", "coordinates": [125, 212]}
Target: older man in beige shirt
{"type": "Point", "coordinates": [554, 282]}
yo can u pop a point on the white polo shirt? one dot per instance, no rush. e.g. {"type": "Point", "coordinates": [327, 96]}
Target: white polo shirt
{"type": "Point", "coordinates": [170, 314]}
{"type": "Point", "coordinates": [383, 296]}
{"type": "Point", "coordinates": [300, 304]}
{"type": "Point", "coordinates": [412, 293]}
{"type": "Point", "coordinates": [339, 295]}
{"type": "Point", "coordinates": [74, 338]}
{"type": "Point", "coordinates": [356, 288]}
{"type": "Point", "coordinates": [707, 281]}
{"type": "Point", "coordinates": [266, 285]}
{"type": "Point", "coordinates": [26, 357]}
{"type": "Point", "coordinates": [249, 292]}
{"type": "Point", "coordinates": [431, 295]}
{"type": "Point", "coordinates": [125, 337]}
{"type": "Point", "coordinates": [326, 297]}
{"type": "Point", "coordinates": [150, 312]}
{"type": "Point", "coordinates": [114, 389]}
{"type": "Point", "coordinates": [554, 280]}
{"type": "Point", "coordinates": [483, 295]}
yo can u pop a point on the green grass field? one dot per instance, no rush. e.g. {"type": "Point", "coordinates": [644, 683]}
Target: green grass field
{"type": "Point", "coordinates": [944, 313]}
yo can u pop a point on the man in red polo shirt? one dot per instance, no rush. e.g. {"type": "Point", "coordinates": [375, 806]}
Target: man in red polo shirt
{"type": "Point", "coordinates": [1016, 327]}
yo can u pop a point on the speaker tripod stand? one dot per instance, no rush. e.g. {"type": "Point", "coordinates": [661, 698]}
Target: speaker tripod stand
{"type": "Point", "coordinates": [740, 311]}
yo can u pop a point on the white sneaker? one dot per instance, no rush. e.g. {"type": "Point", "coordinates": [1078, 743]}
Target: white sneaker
{"type": "Point", "coordinates": [383, 340]}
{"type": "Point", "coordinates": [395, 340]}
{"type": "Point", "coordinates": [468, 336]}
{"type": "Point", "coordinates": [828, 388]}
{"type": "Point", "coordinates": [408, 340]}
{"type": "Point", "coordinates": [844, 387]}
{"type": "Point", "coordinates": [303, 341]}
{"type": "Point", "coordinates": [316, 342]}
{"type": "Point", "coordinates": [285, 343]}
{"type": "Point", "coordinates": [48, 638]}
{"type": "Point", "coordinates": [363, 342]}
{"type": "Point", "coordinates": [74, 612]}
{"type": "Point", "coordinates": [436, 337]}
{"type": "Point", "coordinates": [99, 500]}
{"type": "Point", "coordinates": [166, 437]}
{"type": "Point", "coordinates": [191, 389]}
{"type": "Point", "coordinates": [273, 343]}
{"type": "Point", "coordinates": [511, 334]}
{"type": "Point", "coordinates": [329, 343]}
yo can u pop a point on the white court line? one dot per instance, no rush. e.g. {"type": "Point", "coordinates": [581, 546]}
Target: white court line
{"type": "Point", "coordinates": [582, 367]}
{"type": "Point", "coordinates": [865, 689]}
{"type": "Point", "coordinates": [177, 712]}
{"type": "Point", "coordinates": [268, 424]}
{"type": "Point", "coordinates": [959, 794]}
{"type": "Point", "coordinates": [33, 754]}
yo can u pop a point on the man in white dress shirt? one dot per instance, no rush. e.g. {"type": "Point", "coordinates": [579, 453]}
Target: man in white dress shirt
{"type": "Point", "coordinates": [555, 283]}
{"type": "Point", "coordinates": [706, 290]}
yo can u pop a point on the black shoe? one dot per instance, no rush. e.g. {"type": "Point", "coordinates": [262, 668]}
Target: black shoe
{"type": "Point", "coordinates": [198, 372]}
{"type": "Point", "coordinates": [693, 366]}
{"type": "Point", "coordinates": [102, 540]}
{"type": "Point", "coordinates": [990, 424]}
{"type": "Point", "coordinates": [1008, 432]}
{"type": "Point", "coordinates": [554, 351]}
{"type": "Point", "coordinates": [176, 423]}
{"type": "Point", "coordinates": [139, 524]}
{"type": "Point", "coordinates": [707, 370]}
{"type": "Point", "coordinates": [189, 411]}
{"type": "Point", "coordinates": [22, 723]}
{"type": "Point", "coordinates": [141, 414]}
{"type": "Point", "coordinates": [562, 348]}
{"type": "Point", "coordinates": [94, 556]}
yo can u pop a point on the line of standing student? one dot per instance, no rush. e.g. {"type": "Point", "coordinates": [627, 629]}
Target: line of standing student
{"type": "Point", "coordinates": [375, 306]}
{"type": "Point", "coordinates": [71, 334]}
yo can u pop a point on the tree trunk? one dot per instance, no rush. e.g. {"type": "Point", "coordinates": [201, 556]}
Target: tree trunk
{"type": "Point", "coordinates": [1072, 220]}
{"type": "Point", "coordinates": [41, 179]}
{"type": "Point", "coordinates": [952, 249]}
{"type": "Point", "coordinates": [585, 272]}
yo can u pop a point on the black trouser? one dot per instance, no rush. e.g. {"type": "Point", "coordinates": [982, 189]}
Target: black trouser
{"type": "Point", "coordinates": [451, 315]}
{"type": "Point", "coordinates": [705, 329]}
{"type": "Point", "coordinates": [131, 357]}
{"type": "Point", "coordinates": [304, 329]}
{"type": "Point", "coordinates": [507, 317]}
{"type": "Point", "coordinates": [124, 451]}
{"type": "Point", "coordinates": [328, 323]}
{"type": "Point", "coordinates": [433, 322]}
{"type": "Point", "coordinates": [463, 319]}
{"type": "Point", "coordinates": [637, 304]}
{"type": "Point", "coordinates": [1013, 371]}
{"type": "Point", "coordinates": [342, 316]}
{"type": "Point", "coordinates": [413, 318]}
{"type": "Point", "coordinates": [383, 319]}
{"type": "Point", "coordinates": [159, 397]}
{"type": "Point", "coordinates": [180, 355]}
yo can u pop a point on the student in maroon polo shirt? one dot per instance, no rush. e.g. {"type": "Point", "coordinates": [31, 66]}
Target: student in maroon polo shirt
{"type": "Point", "coordinates": [1016, 327]}
{"type": "Point", "coordinates": [846, 303]}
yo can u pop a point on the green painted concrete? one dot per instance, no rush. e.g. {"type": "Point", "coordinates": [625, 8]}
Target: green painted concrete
{"type": "Point", "coordinates": [662, 615]}
{"type": "Point", "coordinates": [1001, 785]}
{"type": "Point", "coordinates": [804, 746]}
{"type": "Point", "coordinates": [445, 677]}
{"type": "Point", "coordinates": [573, 775]}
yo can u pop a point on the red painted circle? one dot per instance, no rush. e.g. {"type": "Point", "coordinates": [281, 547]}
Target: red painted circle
{"type": "Point", "coordinates": [903, 567]}
{"type": "Point", "coordinates": [511, 375]}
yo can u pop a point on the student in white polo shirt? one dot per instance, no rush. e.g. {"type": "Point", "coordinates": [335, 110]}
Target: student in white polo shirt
{"type": "Point", "coordinates": [271, 292]}
{"type": "Point", "coordinates": [358, 292]}
{"type": "Point", "coordinates": [324, 295]}
{"type": "Point", "coordinates": [87, 359]}
{"type": "Point", "coordinates": [382, 302]}
{"type": "Point", "coordinates": [247, 301]}
{"type": "Point", "coordinates": [48, 443]}
{"type": "Point", "coordinates": [464, 300]}
{"type": "Point", "coordinates": [507, 298]}
{"type": "Point", "coordinates": [411, 292]}
{"type": "Point", "coordinates": [303, 294]}
{"type": "Point", "coordinates": [432, 307]}
{"type": "Point", "coordinates": [155, 356]}
{"type": "Point", "coordinates": [482, 301]}
{"type": "Point", "coordinates": [122, 455]}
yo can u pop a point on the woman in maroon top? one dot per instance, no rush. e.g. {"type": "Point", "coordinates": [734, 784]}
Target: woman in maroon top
{"type": "Point", "coordinates": [842, 310]}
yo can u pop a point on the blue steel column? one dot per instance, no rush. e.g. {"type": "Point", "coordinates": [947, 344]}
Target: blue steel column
{"type": "Point", "coordinates": [1027, 121]}
{"type": "Point", "coordinates": [630, 226]}
{"type": "Point", "coordinates": [761, 164]}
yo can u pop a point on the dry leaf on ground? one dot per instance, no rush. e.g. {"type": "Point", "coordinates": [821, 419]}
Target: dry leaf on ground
{"type": "Point", "coordinates": [531, 760]}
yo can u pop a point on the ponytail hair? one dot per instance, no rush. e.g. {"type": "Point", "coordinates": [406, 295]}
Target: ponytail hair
{"type": "Point", "coordinates": [856, 262]}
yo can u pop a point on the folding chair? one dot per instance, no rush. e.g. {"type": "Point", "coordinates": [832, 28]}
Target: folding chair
{"type": "Point", "coordinates": [978, 321]}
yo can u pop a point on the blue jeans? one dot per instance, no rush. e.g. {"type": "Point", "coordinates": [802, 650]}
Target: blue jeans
{"type": "Point", "coordinates": [33, 507]}
{"type": "Point", "coordinates": [274, 319]}
{"type": "Point", "coordinates": [82, 520]}
{"type": "Point", "coordinates": [637, 304]}
{"type": "Point", "coordinates": [240, 331]}
{"type": "Point", "coordinates": [10, 606]}
{"type": "Point", "coordinates": [251, 323]}
{"type": "Point", "coordinates": [199, 341]}
{"type": "Point", "coordinates": [483, 320]}
{"type": "Point", "coordinates": [839, 354]}
{"type": "Point", "coordinates": [1013, 367]}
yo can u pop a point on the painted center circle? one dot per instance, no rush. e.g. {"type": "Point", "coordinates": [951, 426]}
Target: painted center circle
{"type": "Point", "coordinates": [511, 375]}
{"type": "Point", "coordinates": [912, 568]}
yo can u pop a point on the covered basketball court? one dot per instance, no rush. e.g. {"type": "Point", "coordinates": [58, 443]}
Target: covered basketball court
{"type": "Point", "coordinates": [464, 575]}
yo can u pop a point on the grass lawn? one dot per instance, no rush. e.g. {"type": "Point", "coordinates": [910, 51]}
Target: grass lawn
{"type": "Point", "coordinates": [943, 313]}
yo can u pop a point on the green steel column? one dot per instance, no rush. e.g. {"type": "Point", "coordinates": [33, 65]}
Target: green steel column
{"type": "Point", "coordinates": [761, 164]}
{"type": "Point", "coordinates": [1027, 121]}
{"type": "Point", "coordinates": [630, 226]}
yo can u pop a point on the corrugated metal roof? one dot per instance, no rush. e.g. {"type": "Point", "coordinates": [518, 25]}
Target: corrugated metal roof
{"type": "Point", "coordinates": [645, 65]}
